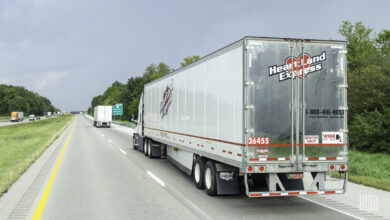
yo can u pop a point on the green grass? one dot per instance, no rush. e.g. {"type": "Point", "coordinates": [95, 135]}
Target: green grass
{"type": "Point", "coordinates": [5, 117]}
{"type": "Point", "coordinates": [22, 144]}
{"type": "Point", "coordinates": [370, 169]}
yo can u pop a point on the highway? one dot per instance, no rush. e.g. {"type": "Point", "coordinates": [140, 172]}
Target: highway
{"type": "Point", "coordinates": [6, 123]}
{"type": "Point", "coordinates": [100, 176]}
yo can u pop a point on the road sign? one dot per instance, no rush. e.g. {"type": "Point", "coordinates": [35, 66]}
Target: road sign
{"type": "Point", "coordinates": [117, 109]}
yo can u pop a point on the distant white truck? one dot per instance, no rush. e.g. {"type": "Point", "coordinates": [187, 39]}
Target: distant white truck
{"type": "Point", "coordinates": [102, 116]}
{"type": "Point", "coordinates": [266, 112]}
{"type": "Point", "coordinates": [48, 114]}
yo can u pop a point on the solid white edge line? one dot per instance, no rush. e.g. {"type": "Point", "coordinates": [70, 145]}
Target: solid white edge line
{"type": "Point", "coordinates": [122, 151]}
{"type": "Point", "coordinates": [155, 178]}
{"type": "Point", "coordinates": [334, 209]}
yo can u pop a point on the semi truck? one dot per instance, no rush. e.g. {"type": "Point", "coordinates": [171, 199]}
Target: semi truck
{"type": "Point", "coordinates": [261, 116]}
{"type": "Point", "coordinates": [17, 116]}
{"type": "Point", "coordinates": [102, 116]}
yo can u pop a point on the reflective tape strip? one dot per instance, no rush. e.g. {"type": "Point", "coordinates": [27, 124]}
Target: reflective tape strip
{"type": "Point", "coordinates": [324, 158]}
{"type": "Point", "coordinates": [257, 194]}
{"type": "Point", "coordinates": [269, 159]}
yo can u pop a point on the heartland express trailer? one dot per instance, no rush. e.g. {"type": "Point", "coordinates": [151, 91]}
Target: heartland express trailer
{"type": "Point", "coordinates": [238, 115]}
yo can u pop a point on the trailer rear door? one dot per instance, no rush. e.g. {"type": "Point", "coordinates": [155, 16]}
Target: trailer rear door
{"type": "Point", "coordinates": [295, 119]}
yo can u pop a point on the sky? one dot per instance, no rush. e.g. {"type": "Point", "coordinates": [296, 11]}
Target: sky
{"type": "Point", "coordinates": [71, 51]}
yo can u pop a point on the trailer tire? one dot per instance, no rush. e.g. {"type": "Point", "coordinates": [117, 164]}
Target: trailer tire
{"type": "Point", "coordinates": [134, 143]}
{"type": "Point", "coordinates": [210, 178]}
{"type": "Point", "coordinates": [198, 173]}
{"type": "Point", "coordinates": [146, 147]}
{"type": "Point", "coordinates": [150, 149]}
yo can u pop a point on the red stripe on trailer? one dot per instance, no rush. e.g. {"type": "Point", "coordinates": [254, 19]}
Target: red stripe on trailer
{"type": "Point", "coordinates": [229, 152]}
{"type": "Point", "coordinates": [293, 193]}
{"type": "Point", "coordinates": [272, 158]}
{"type": "Point", "coordinates": [255, 194]}
{"type": "Point", "coordinates": [311, 193]}
{"type": "Point", "coordinates": [239, 155]}
{"type": "Point", "coordinates": [212, 148]}
{"type": "Point", "coordinates": [330, 192]}
{"type": "Point", "coordinates": [287, 158]}
{"type": "Point", "coordinates": [313, 158]}
{"type": "Point", "coordinates": [253, 159]}
{"type": "Point", "coordinates": [224, 151]}
{"type": "Point", "coordinates": [275, 194]}
{"type": "Point", "coordinates": [331, 158]}
{"type": "Point", "coordinates": [289, 145]}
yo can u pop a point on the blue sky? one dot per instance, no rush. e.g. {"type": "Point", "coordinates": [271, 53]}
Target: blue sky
{"type": "Point", "coordinates": [71, 51]}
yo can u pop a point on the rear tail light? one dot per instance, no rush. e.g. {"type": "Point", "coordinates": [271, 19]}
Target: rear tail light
{"type": "Point", "coordinates": [261, 168]}
{"type": "Point", "coordinates": [250, 169]}
{"type": "Point", "coordinates": [331, 167]}
{"type": "Point", "coordinates": [343, 167]}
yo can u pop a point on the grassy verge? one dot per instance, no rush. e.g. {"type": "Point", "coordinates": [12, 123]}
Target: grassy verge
{"type": "Point", "coordinates": [22, 144]}
{"type": "Point", "coordinates": [370, 169]}
{"type": "Point", "coordinates": [5, 118]}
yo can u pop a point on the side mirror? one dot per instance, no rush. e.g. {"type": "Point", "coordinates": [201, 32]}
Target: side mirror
{"type": "Point", "coordinates": [132, 119]}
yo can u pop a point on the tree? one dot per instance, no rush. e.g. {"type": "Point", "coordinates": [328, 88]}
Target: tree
{"type": "Point", "coordinates": [189, 60]}
{"type": "Point", "coordinates": [368, 86]}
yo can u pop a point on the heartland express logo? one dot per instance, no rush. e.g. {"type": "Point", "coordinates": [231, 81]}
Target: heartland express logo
{"type": "Point", "coordinates": [304, 65]}
{"type": "Point", "coordinates": [166, 100]}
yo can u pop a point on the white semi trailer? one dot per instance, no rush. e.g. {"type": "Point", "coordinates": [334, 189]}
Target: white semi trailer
{"type": "Point", "coordinates": [102, 116]}
{"type": "Point", "coordinates": [267, 115]}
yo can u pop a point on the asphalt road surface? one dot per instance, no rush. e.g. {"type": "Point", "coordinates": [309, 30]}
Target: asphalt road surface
{"type": "Point", "coordinates": [100, 176]}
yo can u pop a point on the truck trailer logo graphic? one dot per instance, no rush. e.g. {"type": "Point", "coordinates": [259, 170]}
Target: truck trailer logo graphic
{"type": "Point", "coordinates": [166, 100]}
{"type": "Point", "coordinates": [305, 64]}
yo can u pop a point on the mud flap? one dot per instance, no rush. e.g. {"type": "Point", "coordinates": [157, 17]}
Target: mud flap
{"type": "Point", "coordinates": [227, 180]}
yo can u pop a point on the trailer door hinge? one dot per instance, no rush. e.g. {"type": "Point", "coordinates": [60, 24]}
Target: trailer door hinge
{"type": "Point", "coordinates": [249, 130]}
{"type": "Point", "coordinates": [249, 83]}
{"type": "Point", "coordinates": [343, 86]}
{"type": "Point", "coordinates": [249, 107]}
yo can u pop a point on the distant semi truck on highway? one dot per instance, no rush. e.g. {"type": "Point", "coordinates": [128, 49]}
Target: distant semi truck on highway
{"type": "Point", "coordinates": [102, 116]}
{"type": "Point", "coordinates": [17, 116]}
{"type": "Point", "coordinates": [48, 114]}
{"type": "Point", "coordinates": [264, 115]}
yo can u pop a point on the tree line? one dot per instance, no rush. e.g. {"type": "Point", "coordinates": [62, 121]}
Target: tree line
{"type": "Point", "coordinates": [19, 99]}
{"type": "Point", "coordinates": [368, 87]}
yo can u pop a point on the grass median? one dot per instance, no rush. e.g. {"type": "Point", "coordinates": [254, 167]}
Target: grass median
{"type": "Point", "coordinates": [370, 169]}
{"type": "Point", "coordinates": [22, 144]}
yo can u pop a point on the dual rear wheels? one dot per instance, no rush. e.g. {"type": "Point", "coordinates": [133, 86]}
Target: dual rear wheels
{"type": "Point", "coordinates": [205, 175]}
{"type": "Point", "coordinates": [148, 148]}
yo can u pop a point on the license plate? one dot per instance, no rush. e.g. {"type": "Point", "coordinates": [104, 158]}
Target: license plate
{"type": "Point", "coordinates": [295, 176]}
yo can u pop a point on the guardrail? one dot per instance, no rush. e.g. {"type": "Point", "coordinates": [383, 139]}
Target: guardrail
{"type": "Point", "coordinates": [130, 125]}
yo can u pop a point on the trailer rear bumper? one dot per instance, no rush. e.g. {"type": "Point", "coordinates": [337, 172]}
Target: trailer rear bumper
{"type": "Point", "coordinates": [294, 193]}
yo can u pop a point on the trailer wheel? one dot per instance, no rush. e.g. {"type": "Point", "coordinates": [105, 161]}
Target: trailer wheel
{"type": "Point", "coordinates": [198, 174]}
{"type": "Point", "coordinates": [150, 149]}
{"type": "Point", "coordinates": [146, 147]}
{"type": "Point", "coordinates": [134, 143]}
{"type": "Point", "coordinates": [210, 178]}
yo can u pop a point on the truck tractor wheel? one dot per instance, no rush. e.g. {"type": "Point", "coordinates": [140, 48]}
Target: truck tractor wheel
{"type": "Point", "coordinates": [134, 143]}
{"type": "Point", "coordinates": [146, 147]}
{"type": "Point", "coordinates": [198, 173]}
{"type": "Point", "coordinates": [210, 178]}
{"type": "Point", "coordinates": [150, 149]}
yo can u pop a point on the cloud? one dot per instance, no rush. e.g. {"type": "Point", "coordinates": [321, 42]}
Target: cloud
{"type": "Point", "coordinates": [47, 81]}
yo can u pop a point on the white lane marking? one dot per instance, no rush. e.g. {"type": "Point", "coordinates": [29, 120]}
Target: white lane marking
{"type": "Point", "coordinates": [122, 151]}
{"type": "Point", "coordinates": [334, 209]}
{"type": "Point", "coordinates": [109, 140]}
{"type": "Point", "coordinates": [155, 178]}
{"type": "Point", "coordinates": [198, 209]}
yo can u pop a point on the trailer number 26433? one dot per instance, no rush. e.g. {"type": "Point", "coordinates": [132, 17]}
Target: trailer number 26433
{"type": "Point", "coordinates": [258, 140]}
